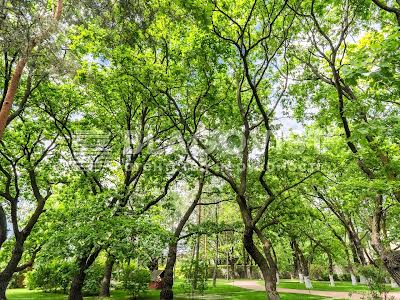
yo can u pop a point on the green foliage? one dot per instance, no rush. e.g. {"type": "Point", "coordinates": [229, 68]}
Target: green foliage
{"type": "Point", "coordinates": [318, 272]}
{"type": "Point", "coordinates": [135, 280]}
{"type": "Point", "coordinates": [56, 276]}
{"type": "Point", "coordinates": [93, 279]}
{"type": "Point", "coordinates": [195, 276]}
{"type": "Point", "coordinates": [52, 276]}
{"type": "Point", "coordinates": [376, 281]}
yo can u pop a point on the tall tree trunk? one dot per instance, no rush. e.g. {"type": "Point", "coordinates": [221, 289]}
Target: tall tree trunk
{"type": "Point", "coordinates": [296, 264]}
{"type": "Point", "coordinates": [269, 275]}
{"type": "Point", "coordinates": [358, 248]}
{"type": "Point", "coordinates": [304, 265]}
{"type": "Point", "coordinates": [11, 267]}
{"type": "Point", "coordinates": [216, 258]}
{"type": "Point", "coordinates": [3, 226]}
{"type": "Point", "coordinates": [245, 263]}
{"type": "Point", "coordinates": [106, 281]}
{"type": "Point", "coordinates": [3, 288]}
{"type": "Point", "coordinates": [168, 280]}
{"type": "Point", "coordinates": [197, 249]}
{"type": "Point", "coordinates": [11, 91]}
{"type": "Point", "coordinates": [390, 258]}
{"type": "Point", "coordinates": [75, 292]}
{"type": "Point", "coordinates": [166, 292]}
{"type": "Point", "coordinates": [330, 260]}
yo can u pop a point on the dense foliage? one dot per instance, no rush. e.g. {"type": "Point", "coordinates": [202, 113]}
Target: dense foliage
{"type": "Point", "coordinates": [205, 138]}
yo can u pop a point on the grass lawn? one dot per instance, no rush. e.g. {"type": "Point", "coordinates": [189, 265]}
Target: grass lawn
{"type": "Point", "coordinates": [340, 286]}
{"type": "Point", "coordinates": [222, 291]}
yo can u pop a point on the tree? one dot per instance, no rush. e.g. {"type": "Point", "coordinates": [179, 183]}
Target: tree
{"type": "Point", "coordinates": [27, 167]}
{"type": "Point", "coordinates": [11, 82]}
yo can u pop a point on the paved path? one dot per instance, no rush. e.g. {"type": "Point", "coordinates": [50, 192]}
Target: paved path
{"type": "Point", "coordinates": [253, 285]}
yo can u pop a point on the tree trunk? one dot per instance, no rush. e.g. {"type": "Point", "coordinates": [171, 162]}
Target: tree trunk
{"type": "Point", "coordinates": [353, 279]}
{"type": "Point", "coordinates": [106, 281]}
{"type": "Point", "coordinates": [11, 267]}
{"type": "Point", "coordinates": [359, 248]}
{"type": "Point", "coordinates": [245, 264]}
{"type": "Point", "coordinates": [197, 253]}
{"type": "Point", "coordinates": [390, 258]}
{"type": "Point", "coordinates": [3, 226]}
{"type": "Point", "coordinates": [11, 91]}
{"type": "Point", "coordinates": [168, 280]}
{"type": "Point", "coordinates": [303, 262]}
{"type": "Point", "coordinates": [393, 283]}
{"type": "Point", "coordinates": [331, 279]}
{"type": "Point", "coordinates": [216, 258]}
{"type": "Point", "coordinates": [269, 275]}
{"type": "Point", "coordinates": [251, 269]}
{"type": "Point", "coordinates": [75, 292]}
{"type": "Point", "coordinates": [3, 288]}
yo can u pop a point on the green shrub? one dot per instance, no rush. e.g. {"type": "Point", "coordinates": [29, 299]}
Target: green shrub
{"type": "Point", "coordinates": [195, 276]}
{"type": "Point", "coordinates": [50, 276]}
{"type": "Point", "coordinates": [93, 278]}
{"type": "Point", "coordinates": [136, 281]}
{"type": "Point", "coordinates": [56, 276]}
{"type": "Point", "coordinates": [376, 281]}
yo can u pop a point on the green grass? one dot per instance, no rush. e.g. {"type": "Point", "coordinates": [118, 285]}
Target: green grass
{"type": "Point", "coordinates": [222, 291]}
{"type": "Point", "coordinates": [340, 286]}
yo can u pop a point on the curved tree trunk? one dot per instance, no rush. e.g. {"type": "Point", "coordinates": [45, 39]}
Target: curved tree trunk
{"type": "Point", "coordinates": [269, 275]}
{"type": "Point", "coordinates": [106, 281]}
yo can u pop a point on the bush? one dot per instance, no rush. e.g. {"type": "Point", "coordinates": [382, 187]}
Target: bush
{"type": "Point", "coordinates": [93, 278]}
{"type": "Point", "coordinates": [195, 276]}
{"type": "Point", "coordinates": [50, 277]}
{"type": "Point", "coordinates": [136, 281]}
{"type": "Point", "coordinates": [376, 282]}
{"type": "Point", "coordinates": [56, 276]}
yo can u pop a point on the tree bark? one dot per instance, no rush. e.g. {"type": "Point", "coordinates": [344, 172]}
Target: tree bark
{"type": "Point", "coordinates": [9, 270]}
{"type": "Point", "coordinates": [269, 275]}
{"type": "Point", "coordinates": [106, 281]}
{"type": "Point", "coordinates": [168, 280]}
{"type": "Point", "coordinates": [216, 258]}
{"type": "Point", "coordinates": [197, 250]}
{"type": "Point", "coordinates": [75, 292]}
{"type": "Point", "coordinates": [11, 91]}
{"type": "Point", "coordinates": [331, 279]}
{"type": "Point", "coordinates": [166, 292]}
{"type": "Point", "coordinates": [245, 264]}
{"type": "Point", "coordinates": [3, 226]}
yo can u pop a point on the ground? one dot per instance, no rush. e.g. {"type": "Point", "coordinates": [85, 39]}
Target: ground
{"type": "Point", "coordinates": [232, 290]}
{"type": "Point", "coordinates": [223, 291]}
{"type": "Point", "coordinates": [342, 290]}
